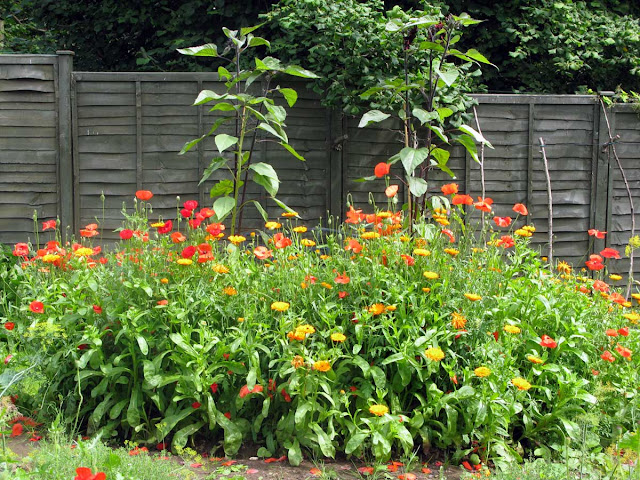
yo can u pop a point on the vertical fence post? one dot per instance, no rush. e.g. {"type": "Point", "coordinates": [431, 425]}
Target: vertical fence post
{"type": "Point", "coordinates": [65, 148]}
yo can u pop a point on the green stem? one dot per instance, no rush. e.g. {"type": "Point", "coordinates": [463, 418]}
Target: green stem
{"type": "Point", "coordinates": [238, 173]}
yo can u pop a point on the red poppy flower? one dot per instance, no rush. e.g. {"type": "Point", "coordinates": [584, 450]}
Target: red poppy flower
{"type": "Point", "coordinates": [9, 326]}
{"type": "Point", "coordinates": [138, 451]}
{"type": "Point", "coordinates": [35, 438]}
{"type": "Point", "coordinates": [228, 415]}
{"type": "Point", "coordinates": [600, 286]}
{"type": "Point", "coordinates": [7, 359]}
{"type": "Point", "coordinates": [596, 233]}
{"type": "Point", "coordinates": [594, 263]}
{"type": "Point", "coordinates": [353, 215]}
{"type": "Point", "coordinates": [342, 294]}
{"type": "Point", "coordinates": [624, 331]}
{"type": "Point", "coordinates": [191, 204]}
{"type": "Point", "coordinates": [366, 470]}
{"type": "Point", "coordinates": [409, 260]}
{"type": "Point", "coordinates": [161, 446]}
{"type": "Point", "coordinates": [162, 302]}
{"type": "Point", "coordinates": [84, 473]}
{"type": "Point", "coordinates": [215, 228]}
{"type": "Point", "coordinates": [483, 204]}
{"type": "Point", "coordinates": [610, 253]}
{"type": "Point", "coordinates": [49, 225]}
{"type": "Point", "coordinates": [97, 309]}
{"type": "Point", "coordinates": [520, 209]}
{"type": "Point", "coordinates": [506, 241]}
{"type": "Point", "coordinates": [262, 253]}
{"type": "Point", "coordinates": [144, 195]}
{"type": "Point", "coordinates": [196, 405]}
{"type": "Point", "coordinates": [188, 252]}
{"type": "Point", "coordinates": [607, 356]}
{"type": "Point", "coordinates": [548, 342]}
{"type": "Point", "coordinates": [166, 228]}
{"type": "Point", "coordinates": [89, 232]}
{"type": "Point", "coordinates": [449, 234]}
{"type": "Point", "coordinates": [16, 430]}
{"type": "Point", "coordinates": [611, 332]}
{"type": "Point", "coordinates": [449, 189]}
{"type": "Point", "coordinates": [617, 298]}
{"type": "Point", "coordinates": [382, 169]}
{"type": "Point", "coordinates": [462, 200]}
{"type": "Point", "coordinates": [186, 213]}
{"type": "Point", "coordinates": [36, 307]}
{"type": "Point", "coordinates": [244, 391]}
{"type": "Point", "coordinates": [502, 221]}
{"type": "Point", "coordinates": [285, 395]}
{"type": "Point", "coordinates": [623, 351]}
{"type": "Point", "coordinates": [126, 234]}
{"type": "Point", "coordinates": [467, 466]}
{"type": "Point", "coordinates": [194, 223]}
{"type": "Point", "coordinates": [214, 388]}
{"type": "Point", "coordinates": [391, 191]}
{"type": "Point", "coordinates": [280, 241]}
{"type": "Point", "coordinates": [342, 279]}
{"type": "Point", "coordinates": [206, 212]}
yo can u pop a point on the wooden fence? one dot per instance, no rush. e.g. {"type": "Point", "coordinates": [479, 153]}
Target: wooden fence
{"type": "Point", "coordinates": [69, 137]}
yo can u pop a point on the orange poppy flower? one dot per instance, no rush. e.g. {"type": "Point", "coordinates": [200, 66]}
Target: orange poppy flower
{"type": "Point", "coordinates": [449, 189]}
{"type": "Point", "coordinates": [483, 204]}
{"type": "Point", "coordinates": [391, 191]}
{"type": "Point", "coordinates": [382, 169]}
{"type": "Point", "coordinates": [520, 209]}
{"type": "Point", "coordinates": [596, 233]}
{"type": "Point", "coordinates": [462, 200]}
{"type": "Point", "coordinates": [144, 195]}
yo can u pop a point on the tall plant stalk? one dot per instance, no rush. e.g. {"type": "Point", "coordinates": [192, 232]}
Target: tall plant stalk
{"type": "Point", "coordinates": [549, 198]}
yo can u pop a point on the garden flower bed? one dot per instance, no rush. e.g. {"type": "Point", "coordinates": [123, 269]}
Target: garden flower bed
{"type": "Point", "coordinates": [364, 340]}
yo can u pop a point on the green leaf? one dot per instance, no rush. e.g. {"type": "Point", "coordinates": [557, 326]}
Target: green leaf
{"type": "Point", "coordinates": [215, 164]}
{"type": "Point", "coordinates": [117, 409]}
{"type": "Point", "coordinates": [297, 71]}
{"type": "Point", "coordinates": [223, 187]}
{"type": "Point", "coordinates": [224, 107]}
{"type": "Point", "coordinates": [261, 210]}
{"type": "Point", "coordinates": [476, 135]}
{"type": "Point", "coordinates": [301, 412]}
{"type": "Point", "coordinates": [181, 342]}
{"type": "Point", "coordinates": [373, 116]}
{"type": "Point", "coordinates": [265, 175]}
{"type": "Point", "coordinates": [379, 377]}
{"type": "Point", "coordinates": [181, 436]}
{"type": "Point", "coordinates": [448, 76]}
{"type": "Point", "coordinates": [469, 144]}
{"type": "Point", "coordinates": [189, 145]}
{"type": "Point", "coordinates": [223, 206]}
{"type": "Point", "coordinates": [290, 95]}
{"type": "Point", "coordinates": [294, 453]}
{"type": "Point", "coordinates": [168, 423]}
{"type": "Point", "coordinates": [142, 343]}
{"type": "Point", "coordinates": [354, 442]}
{"type": "Point", "coordinates": [224, 141]}
{"type": "Point", "coordinates": [263, 452]}
{"type": "Point", "coordinates": [424, 116]}
{"type": "Point", "coordinates": [255, 41]}
{"type": "Point", "coordinates": [476, 55]}
{"type": "Point", "coordinates": [208, 50]}
{"type": "Point", "coordinates": [439, 132]}
{"type": "Point", "coordinates": [224, 74]}
{"type": "Point", "coordinates": [442, 157]}
{"type": "Point", "coordinates": [268, 128]}
{"type": "Point", "coordinates": [444, 112]}
{"type": "Point", "coordinates": [393, 358]}
{"type": "Point", "coordinates": [326, 447]}
{"type": "Point", "coordinates": [412, 158]}
{"type": "Point", "coordinates": [293, 152]}
{"type": "Point", "coordinates": [282, 205]}
{"type": "Point", "coordinates": [417, 186]}
{"type": "Point", "coordinates": [206, 96]}
{"type": "Point", "coordinates": [133, 411]}
{"type": "Point", "coordinates": [248, 30]}
{"type": "Point", "coordinates": [268, 63]}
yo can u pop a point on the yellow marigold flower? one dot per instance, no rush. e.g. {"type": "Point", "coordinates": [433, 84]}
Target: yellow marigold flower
{"type": "Point", "coordinates": [534, 359]}
{"type": "Point", "coordinates": [636, 296]}
{"type": "Point", "coordinates": [296, 335]}
{"type": "Point", "coordinates": [529, 228]}
{"type": "Point", "coordinates": [289, 214]}
{"type": "Point", "coordinates": [218, 268]}
{"type": "Point", "coordinates": [384, 214]}
{"type": "Point", "coordinates": [229, 291]}
{"type": "Point", "coordinates": [474, 297]}
{"type": "Point", "coordinates": [405, 239]}
{"type": "Point", "coordinates": [369, 235]}
{"type": "Point", "coordinates": [632, 317]}
{"type": "Point", "coordinates": [615, 277]}
{"type": "Point", "coordinates": [157, 225]}
{"type": "Point", "coordinates": [521, 383]}
{"type": "Point", "coordinates": [51, 258]}
{"type": "Point", "coordinates": [430, 275]}
{"type": "Point", "coordinates": [376, 309]}
{"type": "Point", "coordinates": [83, 252]}
{"type": "Point", "coordinates": [303, 285]}
{"type": "Point", "coordinates": [442, 221]}
{"type": "Point", "coordinates": [297, 362]}
{"type": "Point", "coordinates": [236, 239]}
{"type": "Point", "coordinates": [421, 252]}
{"type": "Point", "coordinates": [451, 251]}
{"type": "Point", "coordinates": [477, 250]}
{"type": "Point", "coordinates": [390, 308]}
{"type": "Point", "coordinates": [626, 304]}
{"type": "Point", "coordinates": [322, 366]}
{"type": "Point", "coordinates": [185, 261]}
{"type": "Point", "coordinates": [434, 353]}
{"type": "Point", "coordinates": [325, 257]}
{"type": "Point", "coordinates": [326, 285]}
{"type": "Point", "coordinates": [564, 267]}
{"type": "Point", "coordinates": [426, 289]}
{"type": "Point", "coordinates": [338, 337]}
{"type": "Point", "coordinates": [240, 319]}
{"type": "Point", "coordinates": [164, 280]}
{"type": "Point", "coordinates": [458, 321]}
{"type": "Point", "coordinates": [305, 242]}
{"type": "Point", "coordinates": [512, 329]}
{"type": "Point", "coordinates": [521, 232]}
{"type": "Point", "coordinates": [280, 306]}
{"type": "Point", "coordinates": [300, 229]}
{"type": "Point", "coordinates": [482, 372]}
{"type": "Point", "coordinates": [378, 410]}
{"type": "Point", "coordinates": [272, 225]}
{"type": "Point", "coordinates": [306, 329]}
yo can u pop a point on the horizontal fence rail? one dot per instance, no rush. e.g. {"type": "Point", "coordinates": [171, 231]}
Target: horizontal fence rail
{"type": "Point", "coordinates": [77, 145]}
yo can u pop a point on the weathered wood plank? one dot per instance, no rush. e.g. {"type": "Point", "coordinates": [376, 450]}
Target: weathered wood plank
{"type": "Point", "coordinates": [21, 72]}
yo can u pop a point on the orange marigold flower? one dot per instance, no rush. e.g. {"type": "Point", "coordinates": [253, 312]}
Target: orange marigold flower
{"type": "Point", "coordinates": [280, 306]}
{"type": "Point", "coordinates": [482, 372]}
{"type": "Point", "coordinates": [322, 366]}
{"type": "Point", "coordinates": [378, 410]}
{"type": "Point", "coordinates": [434, 353]}
{"type": "Point", "coordinates": [297, 362]}
{"type": "Point", "coordinates": [458, 321]}
{"type": "Point", "coordinates": [376, 309]}
{"type": "Point", "coordinates": [521, 383]}
{"type": "Point", "coordinates": [534, 359]}
{"type": "Point", "coordinates": [474, 297]}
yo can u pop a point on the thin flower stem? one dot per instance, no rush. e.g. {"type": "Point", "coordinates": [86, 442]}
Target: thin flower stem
{"type": "Point", "coordinates": [611, 148]}
{"type": "Point", "coordinates": [482, 179]}
{"type": "Point", "coordinates": [549, 198]}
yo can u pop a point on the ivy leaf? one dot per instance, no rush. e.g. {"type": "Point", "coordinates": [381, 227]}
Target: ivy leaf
{"type": "Point", "coordinates": [224, 141]}
{"type": "Point", "coordinates": [373, 116]}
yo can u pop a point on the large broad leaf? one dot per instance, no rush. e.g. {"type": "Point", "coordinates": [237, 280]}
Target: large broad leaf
{"type": "Point", "coordinates": [290, 95]}
{"type": "Point", "coordinates": [181, 436]}
{"type": "Point", "coordinates": [477, 136]}
{"type": "Point", "coordinates": [222, 188]}
{"type": "Point", "coordinates": [293, 152]}
{"type": "Point", "coordinates": [373, 116]}
{"type": "Point", "coordinates": [223, 207]}
{"type": "Point", "coordinates": [280, 134]}
{"type": "Point", "coordinates": [248, 30]}
{"type": "Point", "coordinates": [268, 63]}
{"type": "Point", "coordinates": [469, 144]}
{"type": "Point", "coordinates": [232, 434]}
{"type": "Point", "coordinates": [441, 158]}
{"type": "Point", "coordinates": [354, 442]}
{"type": "Point", "coordinates": [439, 132]}
{"type": "Point", "coordinates": [294, 453]}
{"type": "Point", "coordinates": [265, 175]}
{"type": "Point", "coordinates": [206, 96]}
{"type": "Point", "coordinates": [448, 76]}
{"type": "Point", "coordinates": [255, 41]}
{"type": "Point", "coordinates": [208, 50]}
{"type": "Point", "coordinates": [215, 164]}
{"type": "Point", "coordinates": [297, 71]}
{"type": "Point", "coordinates": [417, 186]}
{"type": "Point", "coordinates": [326, 447]}
{"type": "Point", "coordinates": [412, 158]}
{"type": "Point", "coordinates": [444, 112]}
{"type": "Point", "coordinates": [425, 116]}
{"type": "Point", "coordinates": [224, 141]}
{"type": "Point", "coordinates": [133, 411]}
{"type": "Point", "coordinates": [477, 56]}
